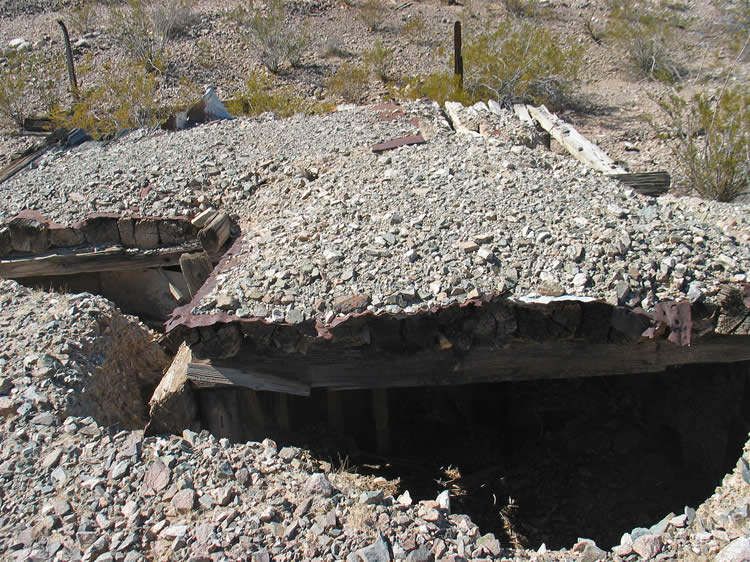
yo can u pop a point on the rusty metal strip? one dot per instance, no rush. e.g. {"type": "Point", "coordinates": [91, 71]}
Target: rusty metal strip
{"type": "Point", "coordinates": [396, 143]}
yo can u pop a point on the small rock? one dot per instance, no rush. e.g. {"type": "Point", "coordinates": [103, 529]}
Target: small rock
{"type": "Point", "coordinates": [736, 551]}
{"type": "Point", "coordinates": [379, 551]}
{"type": "Point", "coordinates": [647, 546]}
{"type": "Point", "coordinates": [183, 501]}
{"type": "Point", "coordinates": [318, 483]}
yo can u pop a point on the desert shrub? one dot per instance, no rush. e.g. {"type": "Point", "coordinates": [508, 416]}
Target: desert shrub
{"type": "Point", "coordinates": [332, 48]}
{"type": "Point", "coordinates": [646, 32]}
{"type": "Point", "coordinates": [710, 136]}
{"type": "Point", "coordinates": [143, 28]}
{"type": "Point", "coordinates": [439, 87]}
{"type": "Point", "coordinates": [379, 60]}
{"type": "Point", "coordinates": [261, 94]}
{"type": "Point", "coordinates": [372, 13]}
{"type": "Point", "coordinates": [349, 82]}
{"type": "Point", "coordinates": [736, 21]}
{"type": "Point", "coordinates": [521, 8]}
{"type": "Point", "coordinates": [275, 41]}
{"type": "Point", "coordinates": [83, 18]}
{"type": "Point", "coordinates": [414, 29]}
{"type": "Point", "coordinates": [521, 62]}
{"type": "Point", "coordinates": [29, 82]}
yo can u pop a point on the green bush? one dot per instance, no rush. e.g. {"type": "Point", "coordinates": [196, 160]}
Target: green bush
{"type": "Point", "coordinates": [275, 41]}
{"type": "Point", "coordinates": [439, 87]}
{"type": "Point", "coordinates": [736, 21]}
{"type": "Point", "coordinates": [646, 32]}
{"type": "Point", "coordinates": [711, 140]}
{"type": "Point", "coordinates": [521, 62]}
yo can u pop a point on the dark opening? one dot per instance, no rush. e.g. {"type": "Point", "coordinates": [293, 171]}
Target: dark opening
{"type": "Point", "coordinates": [546, 461]}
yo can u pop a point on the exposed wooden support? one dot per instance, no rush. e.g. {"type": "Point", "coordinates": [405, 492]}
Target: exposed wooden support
{"type": "Point", "coordinates": [195, 268]}
{"type": "Point", "coordinates": [254, 410]}
{"type": "Point", "coordinates": [335, 411]}
{"type": "Point", "coordinates": [88, 260]}
{"type": "Point", "coordinates": [173, 407]}
{"type": "Point", "coordinates": [223, 413]}
{"type": "Point", "coordinates": [574, 142]}
{"type": "Point", "coordinates": [521, 112]}
{"type": "Point", "coordinates": [350, 369]}
{"type": "Point", "coordinates": [215, 234]}
{"type": "Point", "coordinates": [281, 411]}
{"type": "Point", "coordinates": [380, 413]}
{"type": "Point", "coordinates": [207, 374]}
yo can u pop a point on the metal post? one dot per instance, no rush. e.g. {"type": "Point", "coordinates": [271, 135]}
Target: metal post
{"type": "Point", "coordinates": [458, 58]}
{"type": "Point", "coordinates": [69, 58]}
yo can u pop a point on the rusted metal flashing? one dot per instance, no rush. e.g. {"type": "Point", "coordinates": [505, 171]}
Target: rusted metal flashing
{"type": "Point", "coordinates": [677, 316]}
{"type": "Point", "coordinates": [396, 143]}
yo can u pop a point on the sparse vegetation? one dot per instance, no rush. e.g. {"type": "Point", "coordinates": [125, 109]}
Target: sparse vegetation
{"type": "Point", "coordinates": [262, 94]}
{"type": "Point", "coordinates": [414, 29]}
{"type": "Point", "coordinates": [372, 13]}
{"type": "Point", "coordinates": [710, 136]}
{"type": "Point", "coordinates": [350, 82]}
{"type": "Point", "coordinates": [521, 8]}
{"type": "Point", "coordinates": [28, 80]}
{"type": "Point", "coordinates": [379, 60]}
{"type": "Point", "coordinates": [143, 27]}
{"type": "Point", "coordinates": [83, 18]}
{"type": "Point", "coordinates": [646, 32]}
{"type": "Point", "coordinates": [274, 39]}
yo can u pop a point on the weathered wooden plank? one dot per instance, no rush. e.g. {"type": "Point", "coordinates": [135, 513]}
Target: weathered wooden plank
{"type": "Point", "coordinates": [521, 112]}
{"type": "Point", "coordinates": [206, 374]}
{"type": "Point", "coordinates": [574, 142]}
{"type": "Point", "coordinates": [20, 163]}
{"type": "Point", "coordinates": [195, 268]}
{"type": "Point", "coordinates": [68, 262]}
{"type": "Point", "coordinates": [173, 407]}
{"type": "Point", "coordinates": [648, 183]}
{"type": "Point", "coordinates": [518, 361]}
{"type": "Point", "coordinates": [215, 234]}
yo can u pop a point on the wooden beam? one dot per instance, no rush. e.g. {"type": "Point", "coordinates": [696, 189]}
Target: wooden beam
{"type": "Point", "coordinates": [214, 235]}
{"type": "Point", "coordinates": [350, 369]}
{"type": "Point", "coordinates": [207, 374]}
{"type": "Point", "coordinates": [281, 411]}
{"type": "Point", "coordinates": [521, 112]}
{"type": "Point", "coordinates": [574, 142]}
{"type": "Point", "coordinates": [89, 260]}
{"type": "Point", "coordinates": [173, 407]}
{"type": "Point", "coordinates": [195, 268]}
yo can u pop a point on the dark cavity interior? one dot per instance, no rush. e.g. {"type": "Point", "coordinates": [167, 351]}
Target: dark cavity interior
{"type": "Point", "coordinates": [544, 461]}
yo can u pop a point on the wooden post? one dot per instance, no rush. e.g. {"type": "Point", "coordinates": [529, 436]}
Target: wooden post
{"type": "Point", "coordinates": [216, 232]}
{"type": "Point", "coordinates": [256, 431]}
{"type": "Point", "coordinates": [69, 59]}
{"type": "Point", "coordinates": [195, 268]}
{"type": "Point", "coordinates": [380, 412]}
{"type": "Point", "coordinates": [458, 58]}
{"type": "Point", "coordinates": [281, 411]}
{"type": "Point", "coordinates": [335, 411]}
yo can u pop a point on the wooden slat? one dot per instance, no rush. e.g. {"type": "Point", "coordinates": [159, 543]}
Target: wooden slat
{"type": "Point", "coordinates": [648, 183]}
{"type": "Point", "coordinates": [522, 113]}
{"type": "Point", "coordinates": [17, 165]}
{"type": "Point", "coordinates": [518, 361]}
{"type": "Point", "coordinates": [574, 142]}
{"type": "Point", "coordinates": [114, 258]}
{"type": "Point", "coordinates": [205, 374]}
{"type": "Point", "coordinates": [214, 235]}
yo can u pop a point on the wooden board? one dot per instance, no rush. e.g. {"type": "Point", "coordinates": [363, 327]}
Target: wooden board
{"type": "Point", "coordinates": [113, 258]}
{"type": "Point", "coordinates": [352, 369]}
{"type": "Point", "coordinates": [574, 142]}
{"type": "Point", "coordinates": [649, 183]}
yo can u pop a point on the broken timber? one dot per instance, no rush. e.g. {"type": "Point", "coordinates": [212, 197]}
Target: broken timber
{"type": "Point", "coordinates": [214, 235]}
{"type": "Point", "coordinates": [653, 183]}
{"type": "Point", "coordinates": [88, 260]}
